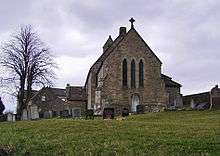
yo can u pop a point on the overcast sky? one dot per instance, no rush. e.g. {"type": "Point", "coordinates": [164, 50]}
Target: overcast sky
{"type": "Point", "coordinates": [184, 34]}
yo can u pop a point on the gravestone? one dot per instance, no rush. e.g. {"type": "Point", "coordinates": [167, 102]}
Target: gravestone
{"type": "Point", "coordinates": [34, 112]}
{"type": "Point", "coordinates": [76, 112]}
{"type": "Point", "coordinates": [140, 109]}
{"type": "Point", "coordinates": [90, 114]}
{"type": "Point", "coordinates": [47, 115]}
{"type": "Point", "coordinates": [54, 114]}
{"type": "Point", "coordinates": [41, 114]}
{"type": "Point", "coordinates": [108, 113]}
{"type": "Point", "coordinates": [65, 113]}
{"type": "Point", "coordinates": [125, 112]}
{"type": "Point", "coordinates": [10, 117]}
{"type": "Point", "coordinates": [156, 109]}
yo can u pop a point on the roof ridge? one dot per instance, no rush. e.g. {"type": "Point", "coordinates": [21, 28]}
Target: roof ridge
{"type": "Point", "coordinates": [146, 44]}
{"type": "Point", "coordinates": [198, 93]}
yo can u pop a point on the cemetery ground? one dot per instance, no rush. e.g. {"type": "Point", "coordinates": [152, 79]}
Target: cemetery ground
{"type": "Point", "coordinates": [163, 133]}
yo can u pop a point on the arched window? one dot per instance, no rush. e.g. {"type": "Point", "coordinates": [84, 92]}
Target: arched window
{"type": "Point", "coordinates": [124, 73]}
{"type": "Point", "coordinates": [141, 73]}
{"type": "Point", "coordinates": [133, 74]}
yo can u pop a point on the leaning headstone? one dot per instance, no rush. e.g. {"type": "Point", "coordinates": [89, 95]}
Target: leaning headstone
{"type": "Point", "coordinates": [140, 109]}
{"type": "Point", "coordinates": [156, 109]}
{"type": "Point", "coordinates": [108, 113]}
{"type": "Point", "coordinates": [46, 115]}
{"type": "Point", "coordinates": [125, 112]}
{"type": "Point", "coordinates": [65, 114]}
{"type": "Point", "coordinates": [90, 114]}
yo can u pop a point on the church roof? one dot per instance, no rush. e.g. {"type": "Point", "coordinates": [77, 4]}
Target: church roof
{"type": "Point", "coordinates": [98, 64]}
{"type": "Point", "coordinates": [169, 82]}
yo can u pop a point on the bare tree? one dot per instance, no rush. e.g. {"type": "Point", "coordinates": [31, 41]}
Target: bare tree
{"type": "Point", "coordinates": [2, 107]}
{"type": "Point", "coordinates": [28, 62]}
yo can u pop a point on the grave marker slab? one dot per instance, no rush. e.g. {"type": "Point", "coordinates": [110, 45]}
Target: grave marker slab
{"type": "Point", "coordinates": [108, 113]}
{"type": "Point", "coordinates": [140, 109]}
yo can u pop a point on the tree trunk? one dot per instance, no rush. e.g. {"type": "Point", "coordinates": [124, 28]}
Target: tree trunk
{"type": "Point", "coordinates": [21, 97]}
{"type": "Point", "coordinates": [29, 89]}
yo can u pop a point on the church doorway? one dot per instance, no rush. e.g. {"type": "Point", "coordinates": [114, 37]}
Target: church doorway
{"type": "Point", "coordinates": [135, 100]}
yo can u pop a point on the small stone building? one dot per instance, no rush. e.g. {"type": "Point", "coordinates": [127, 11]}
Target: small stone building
{"type": "Point", "coordinates": [172, 89]}
{"type": "Point", "coordinates": [128, 74]}
{"type": "Point", "coordinates": [53, 102]}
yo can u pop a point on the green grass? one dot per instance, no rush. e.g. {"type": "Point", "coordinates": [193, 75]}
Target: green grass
{"type": "Point", "coordinates": [164, 133]}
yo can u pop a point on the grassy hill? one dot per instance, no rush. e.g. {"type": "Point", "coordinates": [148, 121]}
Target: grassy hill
{"type": "Point", "coordinates": [164, 133]}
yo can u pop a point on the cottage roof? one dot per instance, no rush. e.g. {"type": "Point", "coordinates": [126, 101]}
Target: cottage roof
{"type": "Point", "coordinates": [71, 93]}
{"type": "Point", "coordinates": [58, 92]}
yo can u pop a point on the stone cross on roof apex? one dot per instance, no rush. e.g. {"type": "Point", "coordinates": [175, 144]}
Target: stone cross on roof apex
{"type": "Point", "coordinates": [132, 22]}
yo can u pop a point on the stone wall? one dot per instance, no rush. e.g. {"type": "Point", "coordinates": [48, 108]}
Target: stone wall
{"type": "Point", "coordinates": [215, 98]}
{"type": "Point", "coordinates": [77, 104]}
{"type": "Point", "coordinates": [211, 98]}
{"type": "Point", "coordinates": [174, 97]}
{"type": "Point", "coordinates": [197, 98]}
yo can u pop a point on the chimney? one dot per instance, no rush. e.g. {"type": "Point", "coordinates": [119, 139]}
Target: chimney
{"type": "Point", "coordinates": [122, 31]}
{"type": "Point", "coordinates": [67, 91]}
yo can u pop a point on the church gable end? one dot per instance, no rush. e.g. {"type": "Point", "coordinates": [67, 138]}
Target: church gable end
{"type": "Point", "coordinates": [136, 45]}
{"type": "Point", "coordinates": [126, 75]}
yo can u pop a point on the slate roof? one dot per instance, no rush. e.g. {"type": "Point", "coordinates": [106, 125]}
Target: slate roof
{"type": "Point", "coordinates": [169, 82]}
{"type": "Point", "coordinates": [58, 92]}
{"type": "Point", "coordinates": [73, 93]}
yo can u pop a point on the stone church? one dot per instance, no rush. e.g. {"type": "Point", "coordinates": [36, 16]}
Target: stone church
{"type": "Point", "coordinates": [126, 75]}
